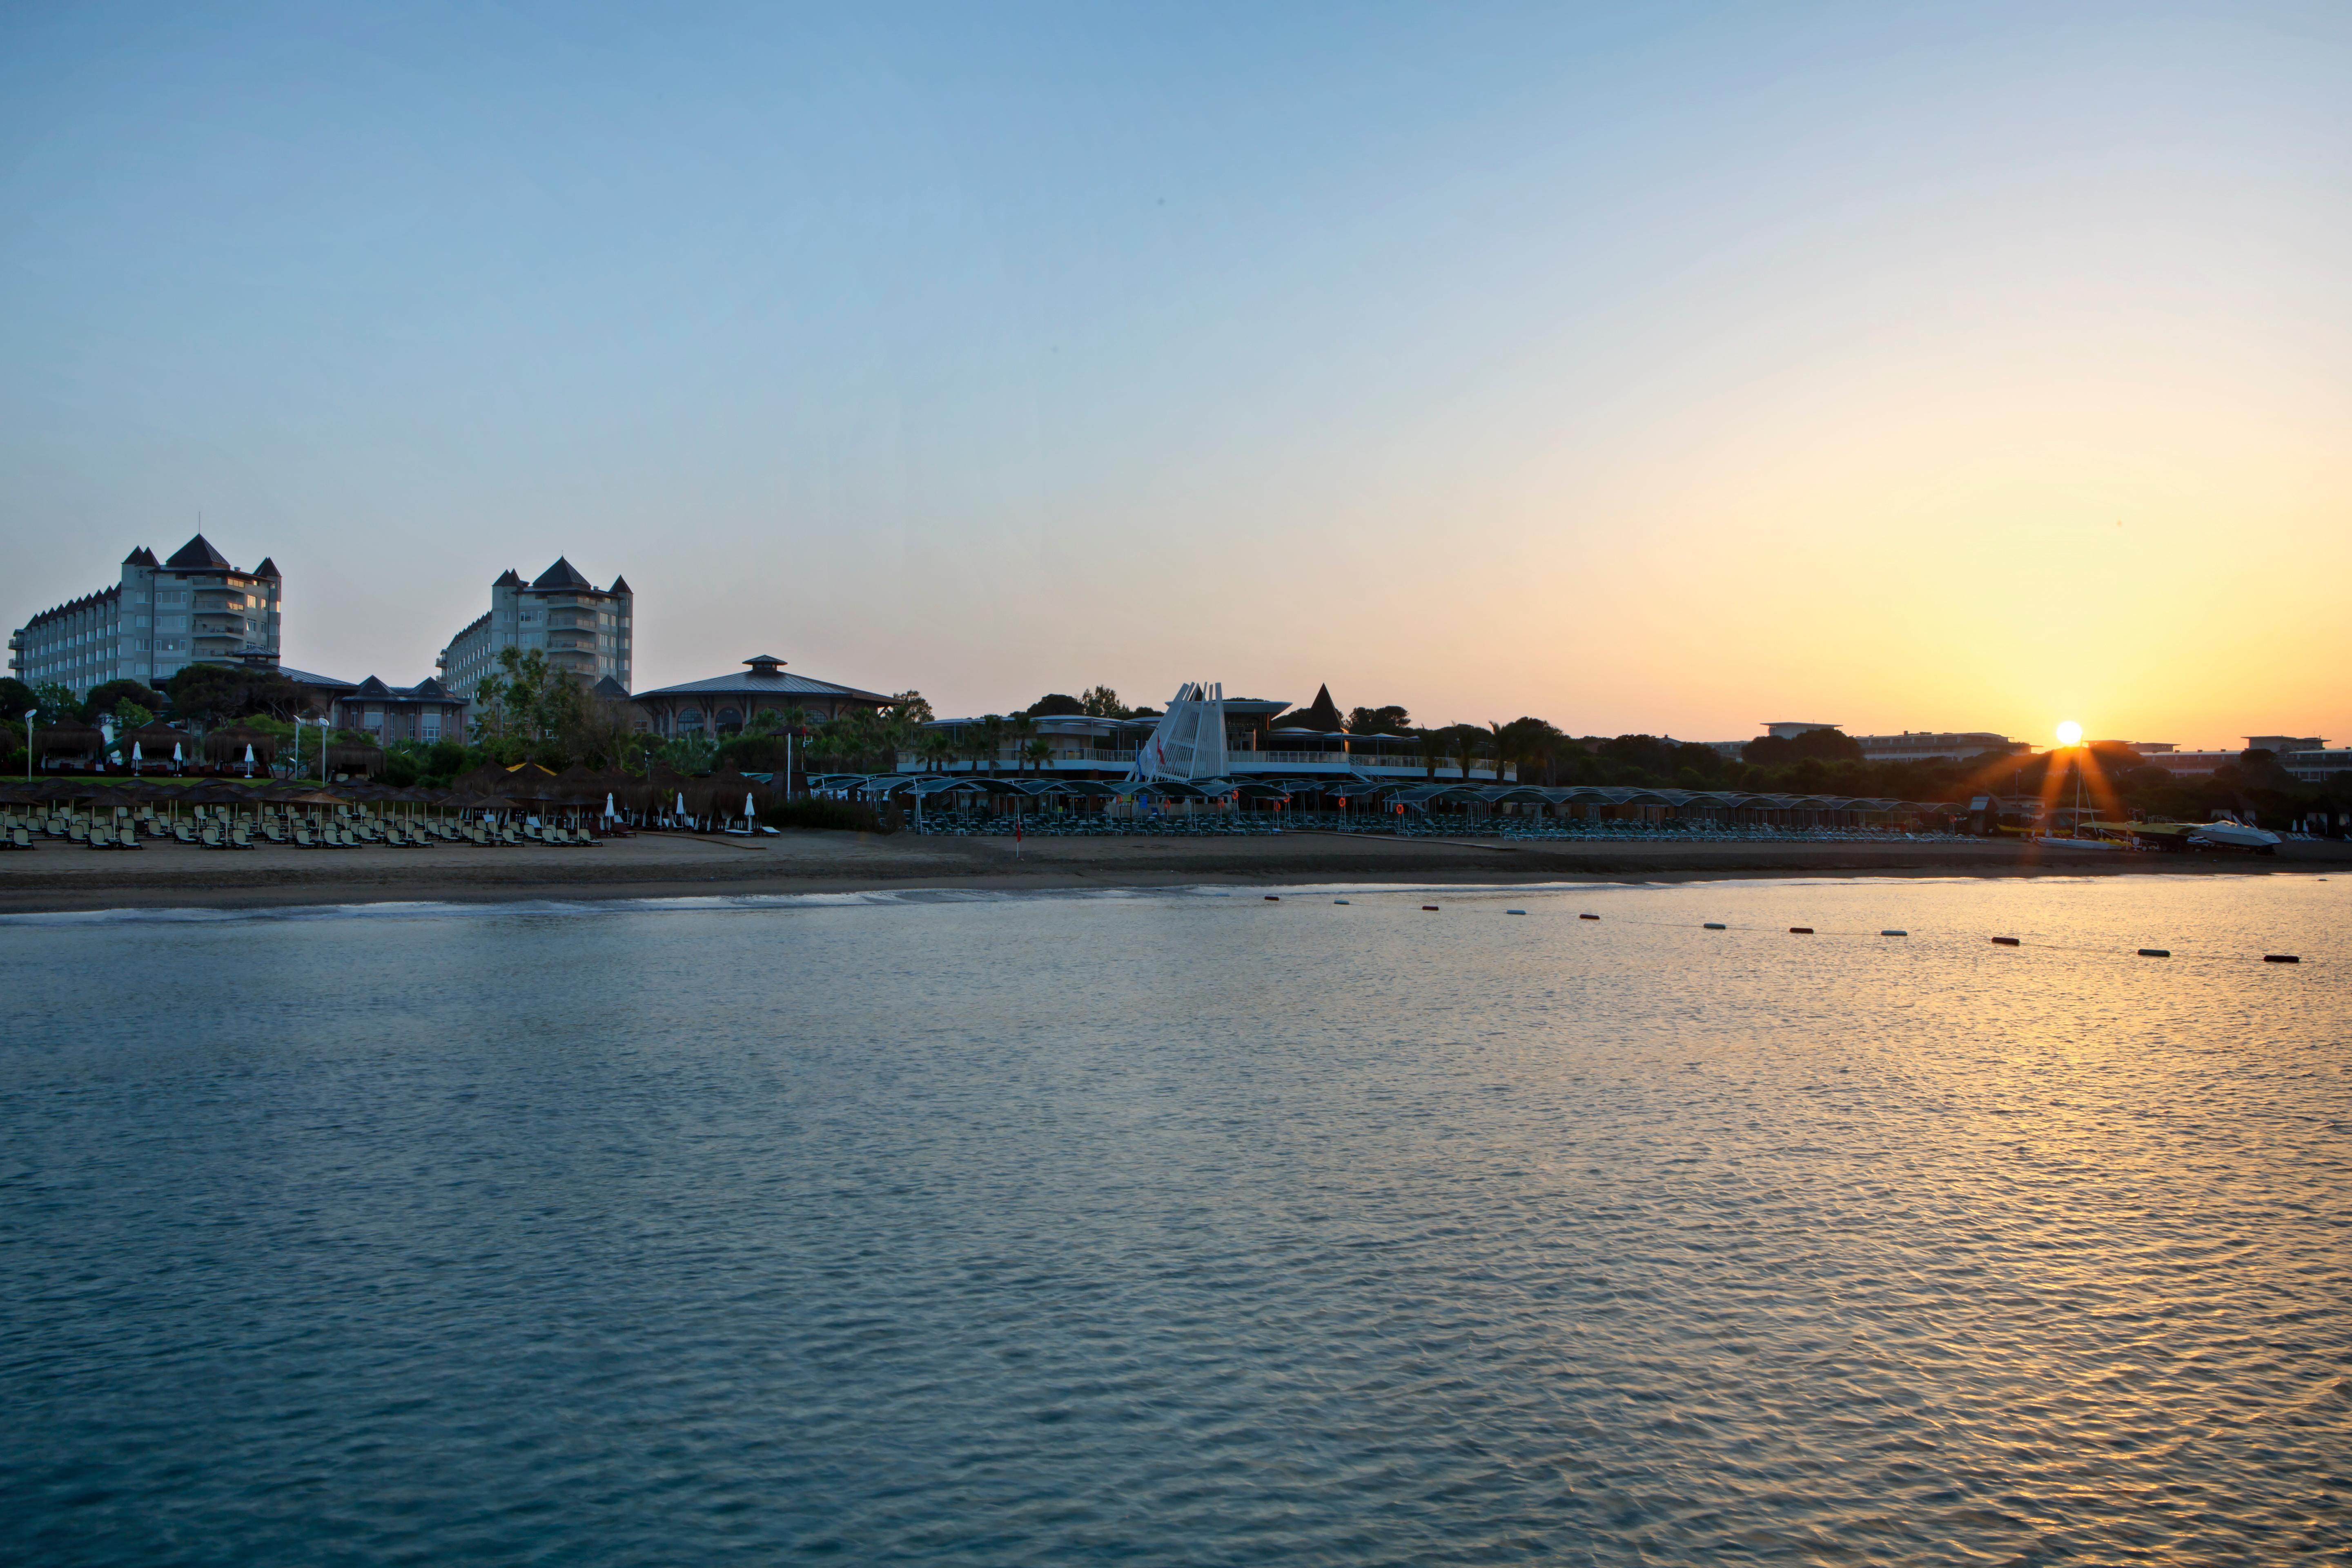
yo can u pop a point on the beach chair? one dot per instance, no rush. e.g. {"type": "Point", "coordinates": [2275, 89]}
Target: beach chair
{"type": "Point", "coordinates": [182, 833]}
{"type": "Point", "coordinates": [241, 836]}
{"type": "Point", "coordinates": [21, 837]}
{"type": "Point", "coordinates": [302, 839]}
{"type": "Point", "coordinates": [76, 832]}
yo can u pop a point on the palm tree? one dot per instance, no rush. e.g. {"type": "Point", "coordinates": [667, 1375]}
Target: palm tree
{"type": "Point", "coordinates": [1465, 739]}
{"type": "Point", "coordinates": [1500, 740]}
{"type": "Point", "coordinates": [938, 748]}
{"type": "Point", "coordinates": [987, 740]}
{"type": "Point", "coordinates": [1038, 752]}
{"type": "Point", "coordinates": [1021, 730]}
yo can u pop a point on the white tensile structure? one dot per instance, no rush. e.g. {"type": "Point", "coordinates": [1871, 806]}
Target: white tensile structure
{"type": "Point", "coordinates": [1189, 744]}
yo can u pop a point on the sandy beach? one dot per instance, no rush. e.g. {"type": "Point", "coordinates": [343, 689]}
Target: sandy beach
{"type": "Point", "coordinates": [58, 877]}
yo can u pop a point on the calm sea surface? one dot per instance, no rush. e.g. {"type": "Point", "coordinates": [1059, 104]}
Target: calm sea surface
{"type": "Point", "coordinates": [1186, 1228]}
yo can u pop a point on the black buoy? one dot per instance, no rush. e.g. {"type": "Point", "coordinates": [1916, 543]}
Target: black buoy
{"type": "Point", "coordinates": [1801, 930]}
{"type": "Point", "coordinates": [1588, 917]}
{"type": "Point", "coordinates": [2004, 942]}
{"type": "Point", "coordinates": [1715, 925]}
{"type": "Point", "coordinates": [2156, 952]}
{"type": "Point", "coordinates": [2280, 958]}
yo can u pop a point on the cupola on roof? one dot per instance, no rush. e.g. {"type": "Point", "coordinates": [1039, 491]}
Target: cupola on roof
{"type": "Point", "coordinates": [563, 574]}
{"type": "Point", "coordinates": [198, 555]}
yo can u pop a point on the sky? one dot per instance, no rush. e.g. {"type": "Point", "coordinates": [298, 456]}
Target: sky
{"type": "Point", "coordinates": [1668, 369]}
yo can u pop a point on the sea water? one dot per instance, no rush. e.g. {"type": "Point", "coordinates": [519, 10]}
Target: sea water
{"type": "Point", "coordinates": [1186, 1228]}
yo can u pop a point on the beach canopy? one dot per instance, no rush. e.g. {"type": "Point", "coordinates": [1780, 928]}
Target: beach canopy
{"type": "Point", "coordinates": [232, 742]}
{"type": "Point", "coordinates": [67, 738]}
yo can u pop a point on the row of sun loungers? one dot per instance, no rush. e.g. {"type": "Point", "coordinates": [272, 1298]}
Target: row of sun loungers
{"type": "Point", "coordinates": [222, 830]}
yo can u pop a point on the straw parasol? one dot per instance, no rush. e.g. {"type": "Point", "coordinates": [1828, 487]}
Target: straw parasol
{"type": "Point", "coordinates": [355, 757]}
{"type": "Point", "coordinates": [227, 745]}
{"type": "Point", "coordinates": [156, 744]}
{"type": "Point", "coordinates": [67, 738]}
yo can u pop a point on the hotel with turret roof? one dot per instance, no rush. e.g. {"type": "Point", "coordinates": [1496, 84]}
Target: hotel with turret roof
{"type": "Point", "coordinates": [162, 616]}
{"type": "Point", "coordinates": [585, 630]}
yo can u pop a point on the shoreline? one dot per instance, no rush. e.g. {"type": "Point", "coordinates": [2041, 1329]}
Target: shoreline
{"type": "Point", "coordinates": [58, 879]}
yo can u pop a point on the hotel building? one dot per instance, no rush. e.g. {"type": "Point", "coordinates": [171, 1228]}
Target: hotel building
{"type": "Point", "coordinates": [585, 630]}
{"type": "Point", "coordinates": [164, 616]}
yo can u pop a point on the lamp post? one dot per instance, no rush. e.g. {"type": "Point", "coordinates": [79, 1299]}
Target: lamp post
{"type": "Point", "coordinates": [30, 714]}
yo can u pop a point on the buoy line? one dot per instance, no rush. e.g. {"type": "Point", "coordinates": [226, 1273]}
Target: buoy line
{"type": "Point", "coordinates": [1885, 932]}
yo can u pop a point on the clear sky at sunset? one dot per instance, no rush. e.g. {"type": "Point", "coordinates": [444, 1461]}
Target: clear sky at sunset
{"type": "Point", "coordinates": [1637, 367]}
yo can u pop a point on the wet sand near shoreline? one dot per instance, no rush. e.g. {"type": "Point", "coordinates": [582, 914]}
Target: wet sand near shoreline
{"type": "Point", "coordinates": [60, 877]}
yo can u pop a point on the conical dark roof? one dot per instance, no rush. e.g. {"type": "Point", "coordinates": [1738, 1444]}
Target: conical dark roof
{"type": "Point", "coordinates": [1322, 713]}
{"type": "Point", "coordinates": [198, 555]}
{"type": "Point", "coordinates": [563, 574]}
{"type": "Point", "coordinates": [620, 586]}
{"type": "Point", "coordinates": [268, 568]}
{"type": "Point", "coordinates": [142, 556]}
{"type": "Point", "coordinates": [509, 578]}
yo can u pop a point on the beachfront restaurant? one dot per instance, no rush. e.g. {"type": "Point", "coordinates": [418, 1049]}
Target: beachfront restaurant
{"type": "Point", "coordinates": [1049, 805]}
{"type": "Point", "coordinates": [727, 705]}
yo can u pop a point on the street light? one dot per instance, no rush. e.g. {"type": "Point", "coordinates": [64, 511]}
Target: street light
{"type": "Point", "coordinates": [30, 714]}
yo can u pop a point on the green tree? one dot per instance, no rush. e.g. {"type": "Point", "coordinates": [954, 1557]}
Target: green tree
{"type": "Point", "coordinates": [110, 696]}
{"type": "Point", "coordinates": [1021, 730]}
{"type": "Point", "coordinates": [1102, 702]}
{"type": "Point", "coordinates": [15, 696]}
{"type": "Point", "coordinates": [937, 748]}
{"type": "Point", "coordinates": [1054, 704]}
{"type": "Point", "coordinates": [1825, 745]}
{"type": "Point", "coordinates": [1464, 742]}
{"type": "Point", "coordinates": [912, 707]}
{"type": "Point", "coordinates": [1038, 752]}
{"type": "Point", "coordinates": [1389, 720]}
{"type": "Point", "coordinates": [56, 700]}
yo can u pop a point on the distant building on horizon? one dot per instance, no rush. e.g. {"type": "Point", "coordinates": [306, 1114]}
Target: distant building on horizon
{"type": "Point", "coordinates": [164, 616]}
{"type": "Point", "coordinates": [585, 630]}
{"type": "Point", "coordinates": [1910, 746]}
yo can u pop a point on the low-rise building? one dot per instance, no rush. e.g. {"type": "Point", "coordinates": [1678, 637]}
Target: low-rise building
{"type": "Point", "coordinates": [161, 617]}
{"type": "Point", "coordinates": [727, 704]}
{"type": "Point", "coordinates": [1936, 745]}
{"type": "Point", "coordinates": [425, 712]}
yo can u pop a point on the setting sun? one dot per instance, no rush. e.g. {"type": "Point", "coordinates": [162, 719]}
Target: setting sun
{"type": "Point", "coordinates": [2070, 733]}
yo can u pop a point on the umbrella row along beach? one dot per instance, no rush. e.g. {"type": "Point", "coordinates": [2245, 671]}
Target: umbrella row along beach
{"type": "Point", "coordinates": [490, 806]}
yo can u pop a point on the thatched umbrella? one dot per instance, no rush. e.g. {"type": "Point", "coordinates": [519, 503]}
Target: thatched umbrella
{"type": "Point", "coordinates": [355, 757]}
{"type": "Point", "coordinates": [527, 781]}
{"type": "Point", "coordinates": [235, 744]}
{"type": "Point", "coordinates": [488, 776]}
{"type": "Point", "coordinates": [67, 738]}
{"type": "Point", "coordinates": [159, 745]}
{"type": "Point", "coordinates": [726, 795]}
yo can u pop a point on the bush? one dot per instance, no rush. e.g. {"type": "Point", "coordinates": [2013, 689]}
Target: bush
{"type": "Point", "coordinates": [839, 816]}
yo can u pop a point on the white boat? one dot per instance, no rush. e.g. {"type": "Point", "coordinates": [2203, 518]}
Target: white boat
{"type": "Point", "coordinates": [2226, 835]}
